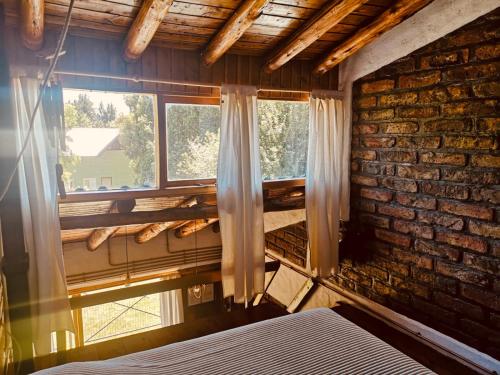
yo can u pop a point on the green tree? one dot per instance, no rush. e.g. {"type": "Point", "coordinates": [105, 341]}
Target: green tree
{"type": "Point", "coordinates": [106, 115]}
{"type": "Point", "coordinates": [137, 137]}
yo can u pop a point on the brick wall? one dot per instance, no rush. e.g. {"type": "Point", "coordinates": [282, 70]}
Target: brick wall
{"type": "Point", "coordinates": [289, 242]}
{"type": "Point", "coordinates": [425, 186]}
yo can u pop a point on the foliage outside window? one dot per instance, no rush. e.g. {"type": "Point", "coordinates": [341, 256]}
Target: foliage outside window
{"type": "Point", "coordinates": [283, 133]}
{"type": "Point", "coordinates": [192, 141]}
{"type": "Point", "coordinates": [110, 139]}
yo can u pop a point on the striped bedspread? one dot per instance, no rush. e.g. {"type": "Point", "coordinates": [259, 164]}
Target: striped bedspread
{"type": "Point", "coordinates": [313, 342]}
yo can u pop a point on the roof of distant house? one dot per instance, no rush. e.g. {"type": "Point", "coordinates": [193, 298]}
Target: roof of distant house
{"type": "Point", "coordinates": [90, 141]}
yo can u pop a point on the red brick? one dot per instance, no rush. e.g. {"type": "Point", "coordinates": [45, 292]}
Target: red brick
{"type": "Point", "coordinates": [377, 115]}
{"type": "Point", "coordinates": [413, 288]}
{"type": "Point", "coordinates": [377, 86]}
{"type": "Point", "coordinates": [398, 99]}
{"type": "Point", "coordinates": [399, 156]}
{"type": "Point", "coordinates": [355, 166]}
{"type": "Point", "coordinates": [365, 155]}
{"type": "Point", "coordinates": [418, 142]}
{"type": "Point", "coordinates": [418, 172]}
{"type": "Point", "coordinates": [444, 126]}
{"type": "Point", "coordinates": [477, 329]}
{"type": "Point", "coordinates": [461, 273]}
{"type": "Point", "coordinates": [484, 229]}
{"type": "Point", "coordinates": [393, 267]}
{"type": "Point", "coordinates": [378, 142]}
{"type": "Point", "coordinates": [385, 290]}
{"type": "Point", "coordinates": [486, 161]}
{"type": "Point", "coordinates": [364, 180]}
{"type": "Point", "coordinates": [444, 59]}
{"type": "Point", "coordinates": [458, 91]}
{"type": "Point", "coordinates": [458, 305]}
{"type": "Point", "coordinates": [409, 186]}
{"type": "Point", "coordinates": [378, 169]}
{"type": "Point", "coordinates": [420, 79]}
{"type": "Point", "coordinates": [400, 212]}
{"type": "Point", "coordinates": [352, 274]}
{"type": "Point", "coordinates": [486, 89]}
{"type": "Point", "coordinates": [468, 108]}
{"type": "Point", "coordinates": [438, 250]}
{"type": "Point", "coordinates": [487, 52]}
{"type": "Point", "coordinates": [376, 194]}
{"type": "Point", "coordinates": [470, 176]}
{"type": "Point", "coordinates": [482, 263]}
{"type": "Point", "coordinates": [391, 237]}
{"type": "Point", "coordinates": [445, 190]}
{"type": "Point", "coordinates": [437, 218]}
{"type": "Point", "coordinates": [481, 296]}
{"type": "Point", "coordinates": [446, 284]}
{"type": "Point", "coordinates": [436, 95]}
{"type": "Point", "coordinates": [416, 201]}
{"type": "Point", "coordinates": [419, 260]}
{"type": "Point", "coordinates": [373, 271]}
{"type": "Point", "coordinates": [418, 230]}
{"type": "Point", "coordinates": [400, 127]}
{"type": "Point", "coordinates": [464, 142]}
{"type": "Point", "coordinates": [466, 209]}
{"type": "Point", "coordinates": [472, 72]}
{"type": "Point", "coordinates": [366, 102]}
{"type": "Point", "coordinates": [376, 221]}
{"type": "Point", "coordinates": [418, 112]}
{"type": "Point", "coordinates": [423, 275]}
{"type": "Point", "coordinates": [486, 195]}
{"type": "Point", "coordinates": [442, 158]}
{"type": "Point", "coordinates": [462, 240]}
{"type": "Point", "coordinates": [489, 125]}
{"type": "Point", "coordinates": [436, 312]}
{"type": "Point", "coordinates": [364, 129]}
{"type": "Point", "coordinates": [365, 206]}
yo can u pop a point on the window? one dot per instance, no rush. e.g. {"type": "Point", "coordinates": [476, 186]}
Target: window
{"type": "Point", "coordinates": [192, 141]}
{"type": "Point", "coordinates": [283, 132]}
{"type": "Point", "coordinates": [110, 140]}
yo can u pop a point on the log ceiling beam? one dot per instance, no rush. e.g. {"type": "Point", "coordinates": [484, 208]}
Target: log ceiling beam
{"type": "Point", "coordinates": [144, 27]}
{"type": "Point", "coordinates": [32, 23]}
{"type": "Point", "coordinates": [327, 17]}
{"type": "Point", "coordinates": [233, 29]}
{"type": "Point", "coordinates": [193, 226]}
{"type": "Point", "coordinates": [169, 214]}
{"type": "Point", "coordinates": [153, 230]}
{"type": "Point", "coordinates": [98, 236]}
{"type": "Point", "coordinates": [386, 21]}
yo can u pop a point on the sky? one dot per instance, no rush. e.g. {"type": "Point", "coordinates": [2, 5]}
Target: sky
{"type": "Point", "coordinates": [99, 96]}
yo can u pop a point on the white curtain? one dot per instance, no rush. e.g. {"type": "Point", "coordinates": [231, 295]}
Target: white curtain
{"type": "Point", "coordinates": [171, 308]}
{"type": "Point", "coordinates": [239, 195]}
{"type": "Point", "coordinates": [327, 167]}
{"type": "Point", "coordinates": [38, 184]}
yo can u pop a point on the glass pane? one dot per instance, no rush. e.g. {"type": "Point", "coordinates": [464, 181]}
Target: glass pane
{"type": "Point", "coordinates": [110, 140]}
{"type": "Point", "coordinates": [283, 128]}
{"type": "Point", "coordinates": [193, 141]}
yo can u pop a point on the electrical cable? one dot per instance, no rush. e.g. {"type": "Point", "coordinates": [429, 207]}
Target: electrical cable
{"type": "Point", "coordinates": [45, 82]}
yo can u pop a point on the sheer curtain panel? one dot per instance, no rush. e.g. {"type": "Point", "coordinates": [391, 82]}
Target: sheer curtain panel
{"type": "Point", "coordinates": [239, 195]}
{"type": "Point", "coordinates": [38, 183]}
{"type": "Point", "coordinates": [326, 169]}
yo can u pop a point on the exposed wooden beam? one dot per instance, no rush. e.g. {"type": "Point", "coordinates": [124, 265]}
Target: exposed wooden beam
{"type": "Point", "coordinates": [155, 229]}
{"type": "Point", "coordinates": [193, 226]}
{"type": "Point", "coordinates": [327, 17]}
{"type": "Point", "coordinates": [144, 27]}
{"type": "Point", "coordinates": [233, 29]}
{"type": "Point", "coordinates": [387, 20]}
{"type": "Point", "coordinates": [169, 214]}
{"type": "Point", "coordinates": [98, 236]}
{"type": "Point", "coordinates": [32, 23]}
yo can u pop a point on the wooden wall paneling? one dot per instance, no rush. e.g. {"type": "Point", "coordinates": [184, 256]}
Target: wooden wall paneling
{"type": "Point", "coordinates": [149, 68]}
{"type": "Point", "coordinates": [192, 72]}
{"type": "Point", "coordinates": [116, 64]}
{"type": "Point", "coordinates": [164, 67]}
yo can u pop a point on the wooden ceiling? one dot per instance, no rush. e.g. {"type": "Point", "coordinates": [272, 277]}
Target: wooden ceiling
{"type": "Point", "coordinates": [264, 26]}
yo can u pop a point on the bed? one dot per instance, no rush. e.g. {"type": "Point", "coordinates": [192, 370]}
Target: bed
{"type": "Point", "coordinates": [313, 342]}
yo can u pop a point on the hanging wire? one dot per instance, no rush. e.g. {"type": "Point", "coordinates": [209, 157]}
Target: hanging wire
{"type": "Point", "coordinates": [41, 92]}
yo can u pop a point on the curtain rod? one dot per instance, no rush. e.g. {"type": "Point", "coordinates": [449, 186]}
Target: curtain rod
{"type": "Point", "coordinates": [163, 81]}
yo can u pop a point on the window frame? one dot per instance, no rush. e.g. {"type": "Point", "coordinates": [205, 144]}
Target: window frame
{"type": "Point", "coordinates": [162, 103]}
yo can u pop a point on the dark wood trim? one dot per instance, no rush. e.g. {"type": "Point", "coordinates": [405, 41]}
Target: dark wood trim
{"type": "Point", "coordinates": [185, 281]}
{"type": "Point", "coordinates": [96, 196]}
{"type": "Point", "coordinates": [169, 214]}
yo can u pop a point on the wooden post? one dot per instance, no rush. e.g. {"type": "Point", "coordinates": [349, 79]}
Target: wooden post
{"type": "Point", "coordinates": [15, 261]}
{"type": "Point", "coordinates": [32, 23]}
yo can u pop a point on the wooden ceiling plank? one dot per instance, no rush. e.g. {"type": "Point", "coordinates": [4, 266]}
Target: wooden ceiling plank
{"type": "Point", "coordinates": [387, 20]}
{"type": "Point", "coordinates": [193, 226]}
{"type": "Point", "coordinates": [330, 15]}
{"type": "Point", "coordinates": [144, 27]}
{"type": "Point", "coordinates": [32, 23]}
{"type": "Point", "coordinates": [233, 29]}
